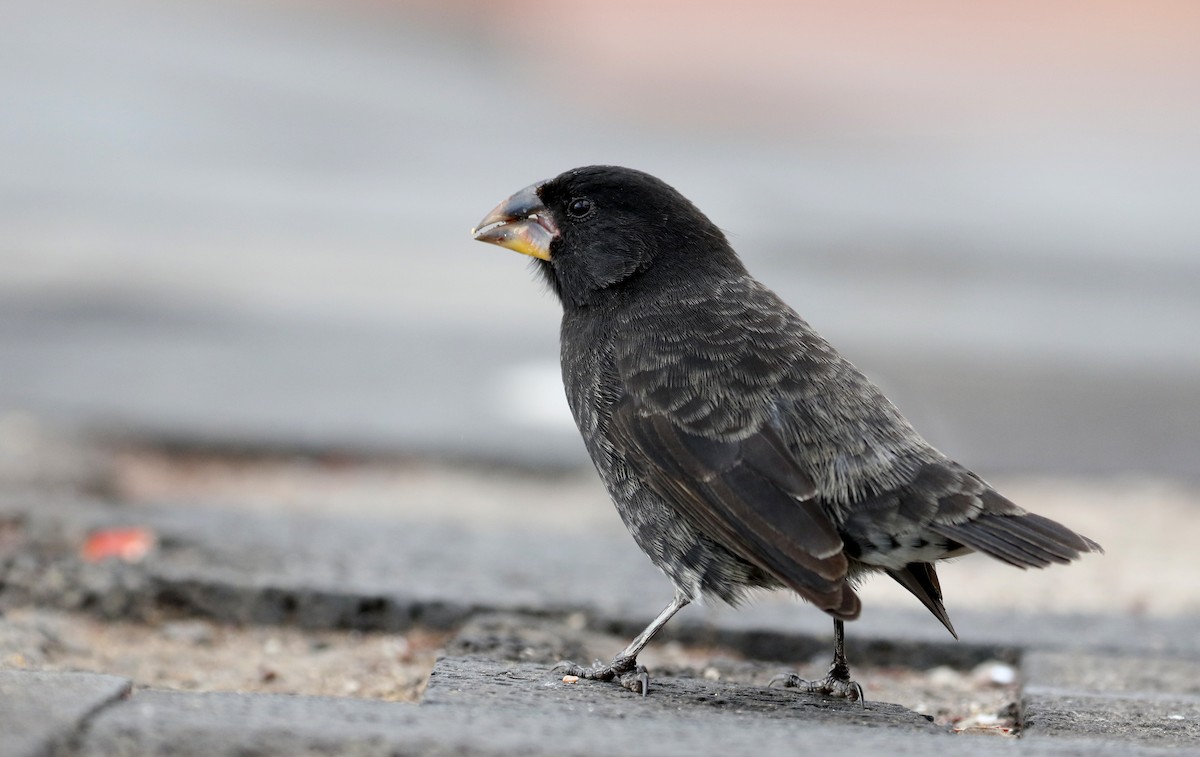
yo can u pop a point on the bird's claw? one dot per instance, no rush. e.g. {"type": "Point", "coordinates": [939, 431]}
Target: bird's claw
{"type": "Point", "coordinates": [830, 686]}
{"type": "Point", "coordinates": [624, 670]}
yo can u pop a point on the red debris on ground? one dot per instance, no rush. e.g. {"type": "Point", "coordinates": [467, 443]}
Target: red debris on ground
{"type": "Point", "coordinates": [130, 544]}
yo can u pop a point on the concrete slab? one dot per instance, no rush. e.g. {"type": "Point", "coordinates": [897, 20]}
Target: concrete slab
{"type": "Point", "coordinates": [485, 708]}
{"type": "Point", "coordinates": [179, 723]}
{"type": "Point", "coordinates": [250, 380]}
{"type": "Point", "coordinates": [479, 707]}
{"type": "Point", "coordinates": [695, 716]}
{"type": "Point", "coordinates": [1088, 671]}
{"type": "Point", "coordinates": [43, 713]}
{"type": "Point", "coordinates": [484, 683]}
{"type": "Point", "coordinates": [1140, 699]}
{"type": "Point", "coordinates": [366, 573]}
{"type": "Point", "coordinates": [325, 571]}
{"type": "Point", "coordinates": [159, 722]}
{"type": "Point", "coordinates": [1156, 722]}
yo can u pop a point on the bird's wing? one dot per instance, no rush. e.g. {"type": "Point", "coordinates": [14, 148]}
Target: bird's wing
{"type": "Point", "coordinates": [701, 415]}
{"type": "Point", "coordinates": [748, 494]}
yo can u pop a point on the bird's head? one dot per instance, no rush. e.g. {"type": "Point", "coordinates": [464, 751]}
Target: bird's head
{"type": "Point", "coordinates": [602, 230]}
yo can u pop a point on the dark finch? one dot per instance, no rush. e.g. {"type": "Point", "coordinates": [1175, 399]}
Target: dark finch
{"type": "Point", "coordinates": [741, 450]}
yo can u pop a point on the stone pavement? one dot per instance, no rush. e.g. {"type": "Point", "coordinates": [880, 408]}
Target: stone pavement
{"type": "Point", "coordinates": [520, 600]}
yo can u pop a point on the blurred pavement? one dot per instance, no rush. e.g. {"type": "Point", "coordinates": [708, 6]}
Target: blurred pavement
{"type": "Point", "coordinates": [248, 222]}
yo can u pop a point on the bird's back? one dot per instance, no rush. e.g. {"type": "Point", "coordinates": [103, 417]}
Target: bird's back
{"type": "Point", "coordinates": [727, 362]}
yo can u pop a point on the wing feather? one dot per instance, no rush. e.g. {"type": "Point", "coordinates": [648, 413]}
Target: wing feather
{"type": "Point", "coordinates": [748, 494]}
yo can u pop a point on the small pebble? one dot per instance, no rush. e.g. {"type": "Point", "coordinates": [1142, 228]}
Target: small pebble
{"type": "Point", "coordinates": [994, 673]}
{"type": "Point", "coordinates": [712, 674]}
{"type": "Point", "coordinates": [944, 677]}
{"type": "Point", "coordinates": [570, 679]}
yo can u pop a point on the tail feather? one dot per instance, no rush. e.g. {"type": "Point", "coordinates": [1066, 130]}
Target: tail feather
{"type": "Point", "coordinates": [921, 579]}
{"type": "Point", "coordinates": [1026, 541]}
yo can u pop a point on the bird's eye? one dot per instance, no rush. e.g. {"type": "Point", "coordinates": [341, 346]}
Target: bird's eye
{"type": "Point", "coordinates": [579, 207]}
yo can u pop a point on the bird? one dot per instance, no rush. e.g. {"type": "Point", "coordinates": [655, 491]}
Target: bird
{"type": "Point", "coordinates": [741, 450]}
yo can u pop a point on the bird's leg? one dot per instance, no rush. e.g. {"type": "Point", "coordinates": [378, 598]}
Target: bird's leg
{"type": "Point", "coordinates": [624, 666]}
{"type": "Point", "coordinates": [837, 682]}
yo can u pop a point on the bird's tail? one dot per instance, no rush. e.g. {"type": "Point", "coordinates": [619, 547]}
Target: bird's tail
{"type": "Point", "coordinates": [1024, 540]}
{"type": "Point", "coordinates": [921, 579]}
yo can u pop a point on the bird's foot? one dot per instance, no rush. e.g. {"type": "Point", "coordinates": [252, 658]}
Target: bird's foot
{"type": "Point", "coordinates": [624, 670]}
{"type": "Point", "coordinates": [831, 685]}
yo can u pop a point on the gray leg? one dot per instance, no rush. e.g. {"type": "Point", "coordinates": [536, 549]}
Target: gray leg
{"type": "Point", "coordinates": [624, 666]}
{"type": "Point", "coordinates": [837, 682]}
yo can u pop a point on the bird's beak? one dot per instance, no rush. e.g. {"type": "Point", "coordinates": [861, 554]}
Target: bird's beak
{"type": "Point", "coordinates": [520, 223]}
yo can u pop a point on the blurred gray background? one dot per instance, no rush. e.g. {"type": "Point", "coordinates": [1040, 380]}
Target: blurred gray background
{"type": "Point", "coordinates": [246, 223]}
